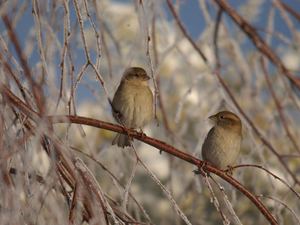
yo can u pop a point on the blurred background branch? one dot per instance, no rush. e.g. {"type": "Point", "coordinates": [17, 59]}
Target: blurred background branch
{"type": "Point", "coordinates": [60, 64]}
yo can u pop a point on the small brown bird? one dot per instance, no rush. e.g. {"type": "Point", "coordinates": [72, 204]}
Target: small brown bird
{"type": "Point", "coordinates": [132, 103]}
{"type": "Point", "coordinates": [223, 142]}
{"type": "Point", "coordinates": [221, 148]}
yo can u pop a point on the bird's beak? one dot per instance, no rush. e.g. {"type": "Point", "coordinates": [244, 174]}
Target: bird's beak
{"type": "Point", "coordinates": [213, 118]}
{"type": "Point", "coordinates": [147, 77]}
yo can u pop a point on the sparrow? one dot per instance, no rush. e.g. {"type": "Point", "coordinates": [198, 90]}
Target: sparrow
{"type": "Point", "coordinates": [132, 104]}
{"type": "Point", "coordinates": [221, 148]}
{"type": "Point", "coordinates": [222, 144]}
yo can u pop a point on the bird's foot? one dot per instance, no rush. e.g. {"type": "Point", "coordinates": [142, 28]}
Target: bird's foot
{"type": "Point", "coordinates": [201, 169]}
{"type": "Point", "coordinates": [229, 170]}
{"type": "Point", "coordinates": [141, 133]}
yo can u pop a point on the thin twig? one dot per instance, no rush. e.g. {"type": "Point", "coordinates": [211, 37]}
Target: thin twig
{"type": "Point", "coordinates": [290, 10]}
{"type": "Point", "coordinates": [257, 40]}
{"type": "Point", "coordinates": [115, 179]}
{"type": "Point", "coordinates": [185, 33]}
{"type": "Point", "coordinates": [282, 203]}
{"type": "Point", "coordinates": [278, 106]}
{"type": "Point", "coordinates": [270, 173]}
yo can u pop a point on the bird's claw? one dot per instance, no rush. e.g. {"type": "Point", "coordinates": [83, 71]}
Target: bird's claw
{"type": "Point", "coordinates": [201, 169]}
{"type": "Point", "coordinates": [141, 133]}
{"type": "Point", "coordinates": [229, 170]}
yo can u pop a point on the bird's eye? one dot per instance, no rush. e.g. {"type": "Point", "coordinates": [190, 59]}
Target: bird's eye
{"type": "Point", "coordinates": [222, 117]}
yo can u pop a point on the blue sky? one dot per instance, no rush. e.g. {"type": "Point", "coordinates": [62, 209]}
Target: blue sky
{"type": "Point", "coordinates": [190, 15]}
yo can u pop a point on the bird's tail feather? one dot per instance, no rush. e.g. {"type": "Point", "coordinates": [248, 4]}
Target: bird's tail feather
{"type": "Point", "coordinates": [121, 140]}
